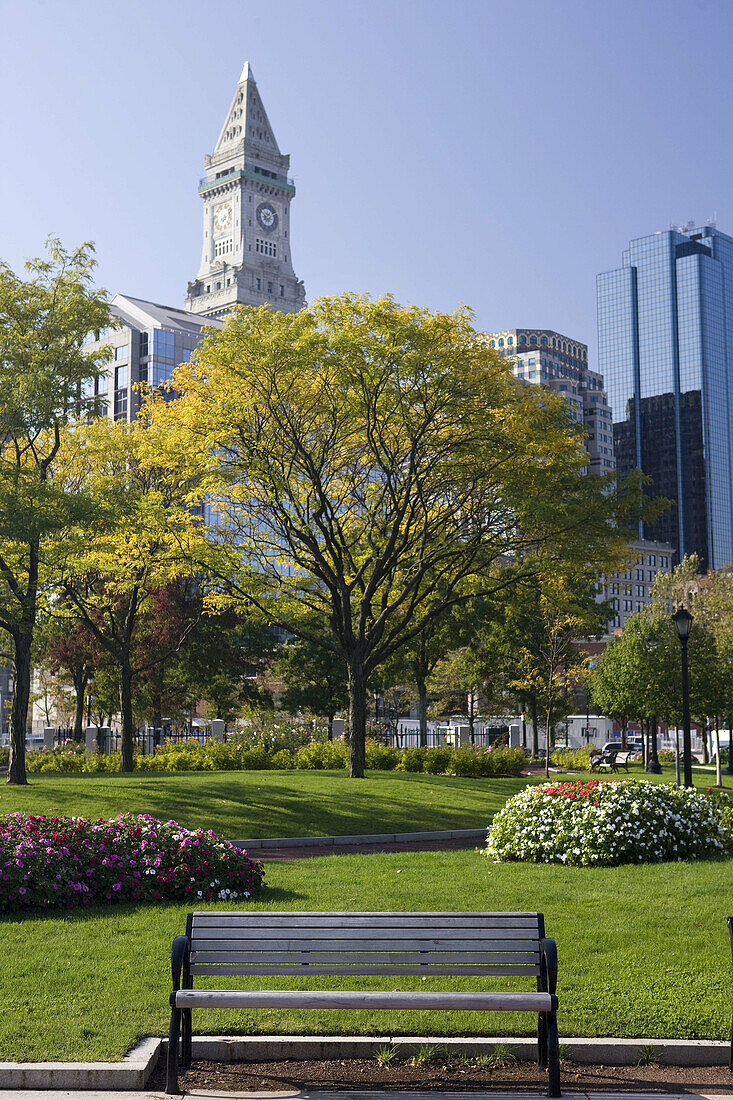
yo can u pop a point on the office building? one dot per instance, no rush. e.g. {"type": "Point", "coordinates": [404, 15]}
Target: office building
{"type": "Point", "coordinates": [629, 589]}
{"type": "Point", "coordinates": [547, 358]}
{"type": "Point", "coordinates": [246, 255]}
{"type": "Point", "coordinates": [665, 332]}
{"type": "Point", "coordinates": [147, 342]}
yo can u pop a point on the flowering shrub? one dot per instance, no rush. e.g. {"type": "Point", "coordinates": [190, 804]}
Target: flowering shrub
{"type": "Point", "coordinates": [411, 760]}
{"type": "Point", "coordinates": [437, 760]}
{"type": "Point", "coordinates": [323, 754]}
{"type": "Point", "coordinates": [47, 862]}
{"type": "Point", "coordinates": [598, 823]}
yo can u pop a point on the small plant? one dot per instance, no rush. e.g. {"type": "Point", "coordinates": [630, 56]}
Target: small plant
{"type": "Point", "coordinates": [500, 1057]}
{"type": "Point", "coordinates": [424, 1055]}
{"type": "Point", "coordinates": [385, 1055]}
{"type": "Point", "coordinates": [464, 1059]}
{"type": "Point", "coordinates": [648, 1055]}
{"type": "Point", "coordinates": [565, 1055]}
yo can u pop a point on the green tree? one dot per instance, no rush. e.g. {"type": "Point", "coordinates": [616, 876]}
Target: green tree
{"type": "Point", "coordinates": [44, 321]}
{"type": "Point", "coordinates": [315, 677]}
{"type": "Point", "coordinates": [112, 575]}
{"type": "Point", "coordinates": [361, 452]}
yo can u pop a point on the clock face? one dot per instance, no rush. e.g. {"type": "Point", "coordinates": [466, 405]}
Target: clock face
{"type": "Point", "coordinates": [267, 216]}
{"type": "Point", "coordinates": [223, 217]}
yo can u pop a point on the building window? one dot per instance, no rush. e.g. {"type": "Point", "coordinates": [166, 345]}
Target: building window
{"type": "Point", "coordinates": [543, 341]}
{"type": "Point", "coordinates": [259, 284]}
{"type": "Point", "coordinates": [269, 288]}
{"type": "Point", "coordinates": [223, 247]}
{"type": "Point", "coordinates": [121, 351]}
{"type": "Point", "coordinates": [501, 342]}
{"type": "Point", "coordinates": [492, 343]}
{"type": "Point", "coordinates": [265, 248]}
{"type": "Point", "coordinates": [122, 375]}
{"type": "Point", "coordinates": [522, 339]}
{"type": "Point", "coordinates": [510, 340]}
{"type": "Point", "coordinates": [282, 291]}
{"type": "Point", "coordinates": [121, 405]}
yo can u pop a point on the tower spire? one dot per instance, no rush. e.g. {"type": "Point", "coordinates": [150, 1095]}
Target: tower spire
{"type": "Point", "coordinates": [246, 193]}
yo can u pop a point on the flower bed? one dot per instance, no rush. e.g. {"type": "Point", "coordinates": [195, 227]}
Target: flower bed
{"type": "Point", "coordinates": [603, 823]}
{"type": "Point", "coordinates": [47, 862]}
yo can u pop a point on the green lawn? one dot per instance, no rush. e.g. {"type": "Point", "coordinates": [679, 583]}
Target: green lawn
{"type": "Point", "coordinates": [273, 803]}
{"type": "Point", "coordinates": [643, 952]}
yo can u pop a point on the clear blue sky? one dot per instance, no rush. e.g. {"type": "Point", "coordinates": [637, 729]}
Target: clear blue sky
{"type": "Point", "coordinates": [494, 153]}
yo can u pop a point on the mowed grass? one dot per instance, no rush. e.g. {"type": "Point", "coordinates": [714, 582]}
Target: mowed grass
{"type": "Point", "coordinates": [643, 952]}
{"type": "Point", "coordinates": [273, 803]}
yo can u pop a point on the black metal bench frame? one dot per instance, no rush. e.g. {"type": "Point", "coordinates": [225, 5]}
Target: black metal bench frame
{"type": "Point", "coordinates": [308, 944]}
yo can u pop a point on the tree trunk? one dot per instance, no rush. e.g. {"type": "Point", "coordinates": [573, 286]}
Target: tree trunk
{"type": "Point", "coordinates": [357, 719]}
{"type": "Point", "coordinates": [535, 731]}
{"type": "Point", "coordinates": [704, 733]}
{"type": "Point", "coordinates": [80, 685]}
{"type": "Point", "coordinates": [422, 711]}
{"type": "Point", "coordinates": [471, 719]}
{"type": "Point", "coordinates": [19, 713]}
{"type": "Point", "coordinates": [126, 743]}
{"type": "Point", "coordinates": [330, 726]}
{"type": "Point", "coordinates": [718, 769]}
{"type": "Point", "coordinates": [548, 740]}
{"type": "Point", "coordinates": [524, 729]}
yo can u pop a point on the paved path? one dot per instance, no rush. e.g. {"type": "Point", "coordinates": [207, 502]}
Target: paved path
{"type": "Point", "coordinates": [298, 1094]}
{"type": "Point", "coordinates": [336, 849]}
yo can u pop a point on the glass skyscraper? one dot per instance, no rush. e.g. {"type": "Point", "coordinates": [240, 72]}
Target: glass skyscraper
{"type": "Point", "coordinates": [665, 349]}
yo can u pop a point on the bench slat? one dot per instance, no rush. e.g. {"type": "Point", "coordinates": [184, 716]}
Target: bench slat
{"type": "Point", "coordinates": [530, 970]}
{"type": "Point", "coordinates": [363, 920]}
{"type": "Point", "coordinates": [386, 958]}
{"type": "Point", "coordinates": [405, 934]}
{"type": "Point", "coordinates": [420, 999]}
{"type": "Point", "coordinates": [335, 947]}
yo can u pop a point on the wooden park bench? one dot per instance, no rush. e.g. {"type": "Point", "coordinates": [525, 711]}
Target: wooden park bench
{"type": "Point", "coordinates": [345, 944]}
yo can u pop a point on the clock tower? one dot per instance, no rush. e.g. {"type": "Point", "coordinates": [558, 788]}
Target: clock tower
{"type": "Point", "coordinates": [246, 192]}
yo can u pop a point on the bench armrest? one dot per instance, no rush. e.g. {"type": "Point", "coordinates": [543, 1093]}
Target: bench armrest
{"type": "Point", "coordinates": [179, 961]}
{"type": "Point", "coordinates": [548, 957]}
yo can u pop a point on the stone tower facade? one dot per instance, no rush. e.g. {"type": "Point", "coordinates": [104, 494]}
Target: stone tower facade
{"type": "Point", "coordinates": [246, 257]}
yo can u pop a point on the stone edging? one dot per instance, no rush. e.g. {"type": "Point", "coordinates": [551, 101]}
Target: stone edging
{"type": "Point", "coordinates": [366, 838]}
{"type": "Point", "coordinates": [136, 1067]}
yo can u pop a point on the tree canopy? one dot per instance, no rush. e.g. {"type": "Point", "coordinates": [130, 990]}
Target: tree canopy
{"type": "Point", "coordinates": [361, 454]}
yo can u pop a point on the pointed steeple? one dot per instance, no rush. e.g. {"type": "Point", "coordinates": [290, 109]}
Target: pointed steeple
{"type": "Point", "coordinates": [246, 119]}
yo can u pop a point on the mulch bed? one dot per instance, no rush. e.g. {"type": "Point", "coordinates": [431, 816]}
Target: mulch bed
{"type": "Point", "coordinates": [449, 1075]}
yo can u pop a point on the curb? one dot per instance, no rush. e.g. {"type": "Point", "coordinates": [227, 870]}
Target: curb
{"type": "Point", "coordinates": [136, 1067]}
{"type": "Point", "coordinates": [365, 838]}
{"type": "Point", "coordinates": [131, 1073]}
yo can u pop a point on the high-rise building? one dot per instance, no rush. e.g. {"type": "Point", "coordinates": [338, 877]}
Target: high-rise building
{"type": "Point", "coordinates": [543, 357]}
{"type": "Point", "coordinates": [246, 257]}
{"type": "Point", "coordinates": [148, 341]}
{"type": "Point", "coordinates": [665, 334]}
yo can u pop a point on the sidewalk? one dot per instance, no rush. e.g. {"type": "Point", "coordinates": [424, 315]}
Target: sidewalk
{"type": "Point", "coordinates": [295, 1094]}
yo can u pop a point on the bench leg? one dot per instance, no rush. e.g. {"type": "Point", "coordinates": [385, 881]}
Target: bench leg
{"type": "Point", "coordinates": [553, 1055]}
{"type": "Point", "coordinates": [542, 1040]}
{"type": "Point", "coordinates": [171, 1075]}
{"type": "Point", "coordinates": [186, 1035]}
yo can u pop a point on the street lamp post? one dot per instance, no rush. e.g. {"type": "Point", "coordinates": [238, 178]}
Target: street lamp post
{"type": "Point", "coordinates": [683, 622]}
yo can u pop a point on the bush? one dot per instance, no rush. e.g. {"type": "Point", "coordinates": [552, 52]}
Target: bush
{"type": "Point", "coordinates": [477, 762]}
{"type": "Point", "coordinates": [382, 758]}
{"type": "Point", "coordinates": [283, 760]}
{"type": "Point", "coordinates": [595, 823]}
{"type": "Point", "coordinates": [70, 861]}
{"type": "Point", "coordinates": [411, 760]}
{"type": "Point", "coordinates": [437, 760]}
{"type": "Point", "coordinates": [322, 755]}
{"type": "Point", "coordinates": [574, 759]}
{"type": "Point", "coordinates": [666, 756]}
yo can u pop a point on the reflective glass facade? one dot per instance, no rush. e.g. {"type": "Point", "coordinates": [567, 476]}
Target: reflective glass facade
{"type": "Point", "coordinates": [665, 332]}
